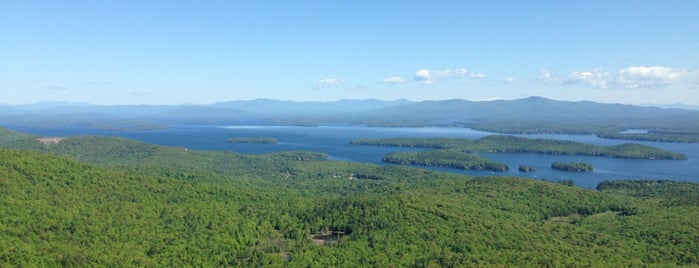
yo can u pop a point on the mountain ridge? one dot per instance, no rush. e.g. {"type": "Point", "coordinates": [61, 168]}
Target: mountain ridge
{"type": "Point", "coordinates": [527, 115]}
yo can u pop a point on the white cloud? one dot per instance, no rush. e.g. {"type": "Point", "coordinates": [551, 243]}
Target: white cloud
{"type": "Point", "coordinates": [641, 76]}
{"type": "Point", "coordinates": [394, 80]}
{"type": "Point", "coordinates": [631, 77]}
{"type": "Point", "coordinates": [509, 79]}
{"type": "Point", "coordinates": [477, 75]}
{"type": "Point", "coordinates": [597, 78]}
{"type": "Point", "coordinates": [546, 76]}
{"type": "Point", "coordinates": [424, 76]}
{"type": "Point", "coordinates": [427, 76]}
{"type": "Point", "coordinates": [327, 83]}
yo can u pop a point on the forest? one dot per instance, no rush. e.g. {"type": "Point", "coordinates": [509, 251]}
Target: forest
{"type": "Point", "coordinates": [572, 166]}
{"type": "Point", "coordinates": [513, 144]}
{"type": "Point", "coordinates": [105, 201]}
{"type": "Point", "coordinates": [445, 158]}
{"type": "Point", "coordinates": [459, 153]}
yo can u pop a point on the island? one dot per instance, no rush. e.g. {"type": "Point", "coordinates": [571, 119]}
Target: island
{"type": "Point", "coordinates": [262, 140]}
{"type": "Point", "coordinates": [525, 168]}
{"type": "Point", "coordinates": [514, 144]}
{"type": "Point", "coordinates": [445, 158]}
{"type": "Point", "coordinates": [572, 166]}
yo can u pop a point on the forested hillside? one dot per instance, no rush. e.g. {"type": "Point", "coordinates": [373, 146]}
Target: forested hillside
{"type": "Point", "coordinates": [144, 205]}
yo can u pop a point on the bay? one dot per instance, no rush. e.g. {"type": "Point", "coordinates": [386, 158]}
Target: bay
{"type": "Point", "coordinates": [334, 140]}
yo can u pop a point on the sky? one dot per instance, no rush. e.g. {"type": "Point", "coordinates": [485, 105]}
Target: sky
{"type": "Point", "coordinates": [200, 52]}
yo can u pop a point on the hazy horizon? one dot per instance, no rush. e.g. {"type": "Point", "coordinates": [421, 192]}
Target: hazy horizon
{"type": "Point", "coordinates": [174, 53]}
{"type": "Point", "coordinates": [676, 105]}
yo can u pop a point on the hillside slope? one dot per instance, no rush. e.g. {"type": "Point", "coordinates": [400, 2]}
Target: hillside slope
{"type": "Point", "coordinates": [58, 211]}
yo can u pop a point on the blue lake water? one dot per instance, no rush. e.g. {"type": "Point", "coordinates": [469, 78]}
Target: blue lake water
{"type": "Point", "coordinates": [334, 140]}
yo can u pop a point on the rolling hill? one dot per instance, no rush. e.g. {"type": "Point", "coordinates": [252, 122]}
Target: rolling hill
{"type": "Point", "coordinates": [116, 202]}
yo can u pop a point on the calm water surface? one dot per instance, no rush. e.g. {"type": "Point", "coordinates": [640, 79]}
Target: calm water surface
{"type": "Point", "coordinates": [334, 140]}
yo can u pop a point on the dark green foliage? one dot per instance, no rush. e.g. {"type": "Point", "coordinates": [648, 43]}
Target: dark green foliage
{"type": "Point", "coordinates": [567, 182]}
{"type": "Point", "coordinates": [513, 144]}
{"type": "Point", "coordinates": [445, 158]}
{"type": "Point", "coordinates": [8, 136]}
{"type": "Point", "coordinates": [525, 168]}
{"type": "Point", "coordinates": [160, 206]}
{"type": "Point", "coordinates": [572, 166]}
{"type": "Point", "coordinates": [263, 140]}
{"type": "Point", "coordinates": [672, 193]}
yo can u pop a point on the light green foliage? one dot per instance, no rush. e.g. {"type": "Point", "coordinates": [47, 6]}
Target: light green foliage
{"type": "Point", "coordinates": [159, 206]}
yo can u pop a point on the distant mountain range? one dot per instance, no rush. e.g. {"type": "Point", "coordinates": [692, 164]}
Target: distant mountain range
{"type": "Point", "coordinates": [276, 107]}
{"type": "Point", "coordinates": [675, 106]}
{"type": "Point", "coordinates": [527, 115]}
{"type": "Point", "coordinates": [258, 107]}
{"type": "Point", "coordinates": [527, 108]}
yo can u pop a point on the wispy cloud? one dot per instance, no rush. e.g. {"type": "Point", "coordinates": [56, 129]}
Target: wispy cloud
{"type": "Point", "coordinates": [427, 76]}
{"type": "Point", "coordinates": [55, 89]}
{"type": "Point", "coordinates": [546, 76]}
{"type": "Point", "coordinates": [97, 83]}
{"type": "Point", "coordinates": [597, 78]}
{"type": "Point", "coordinates": [490, 99]}
{"type": "Point", "coordinates": [642, 76]}
{"type": "Point", "coordinates": [476, 75]}
{"type": "Point", "coordinates": [394, 80]}
{"type": "Point", "coordinates": [327, 83]}
{"type": "Point", "coordinates": [509, 79]}
{"type": "Point", "coordinates": [630, 77]}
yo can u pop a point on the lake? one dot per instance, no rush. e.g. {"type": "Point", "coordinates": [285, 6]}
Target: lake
{"type": "Point", "coordinates": [334, 140]}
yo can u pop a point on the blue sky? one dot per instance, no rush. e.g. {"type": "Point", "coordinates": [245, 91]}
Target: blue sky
{"type": "Point", "coordinates": [198, 52]}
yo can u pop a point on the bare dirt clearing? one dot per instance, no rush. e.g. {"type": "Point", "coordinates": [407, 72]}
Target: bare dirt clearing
{"type": "Point", "coordinates": [50, 140]}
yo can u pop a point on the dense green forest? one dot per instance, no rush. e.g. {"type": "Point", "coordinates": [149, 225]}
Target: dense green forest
{"type": "Point", "coordinates": [672, 193]}
{"type": "Point", "coordinates": [572, 166]}
{"type": "Point", "coordinates": [525, 168]}
{"type": "Point", "coordinates": [102, 201]}
{"type": "Point", "coordinates": [445, 158]}
{"type": "Point", "coordinates": [513, 144]}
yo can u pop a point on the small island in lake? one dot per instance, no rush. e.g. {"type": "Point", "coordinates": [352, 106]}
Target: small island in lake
{"type": "Point", "coordinates": [445, 158]}
{"type": "Point", "coordinates": [525, 168]}
{"type": "Point", "coordinates": [572, 166]}
{"type": "Point", "coordinates": [263, 140]}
